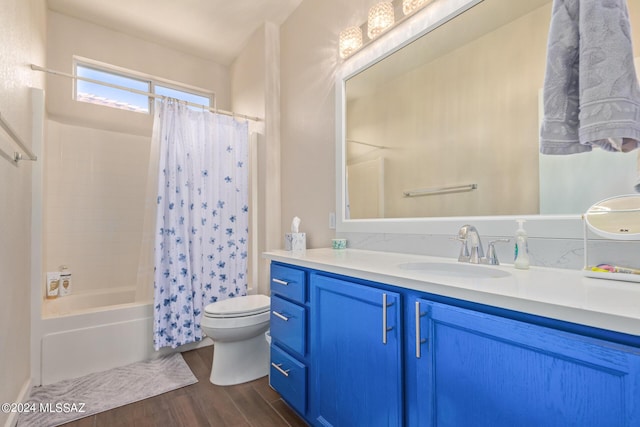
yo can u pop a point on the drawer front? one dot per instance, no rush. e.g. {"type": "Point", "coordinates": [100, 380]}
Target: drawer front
{"type": "Point", "coordinates": [289, 378]}
{"type": "Point", "coordinates": [289, 282]}
{"type": "Point", "coordinates": [288, 324]}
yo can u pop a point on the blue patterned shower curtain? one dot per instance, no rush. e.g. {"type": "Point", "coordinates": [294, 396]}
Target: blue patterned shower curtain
{"type": "Point", "coordinates": [202, 217]}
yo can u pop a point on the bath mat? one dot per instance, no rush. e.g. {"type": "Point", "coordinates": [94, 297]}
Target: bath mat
{"type": "Point", "coordinates": [69, 400]}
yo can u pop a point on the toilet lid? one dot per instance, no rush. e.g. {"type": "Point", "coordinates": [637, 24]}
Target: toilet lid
{"type": "Point", "coordinates": [238, 306]}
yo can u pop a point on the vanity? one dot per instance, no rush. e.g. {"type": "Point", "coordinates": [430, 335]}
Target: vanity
{"type": "Point", "coordinates": [366, 338]}
{"type": "Point", "coordinates": [375, 338]}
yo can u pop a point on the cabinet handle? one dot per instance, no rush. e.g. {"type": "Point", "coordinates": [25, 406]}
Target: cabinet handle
{"type": "Point", "coordinates": [280, 316]}
{"type": "Point", "coordinates": [279, 369]}
{"type": "Point", "coordinates": [385, 329]}
{"type": "Point", "coordinates": [419, 341]}
{"type": "Point", "coordinates": [280, 282]}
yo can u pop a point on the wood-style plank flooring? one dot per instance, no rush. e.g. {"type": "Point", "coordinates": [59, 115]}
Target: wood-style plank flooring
{"type": "Point", "coordinates": [252, 404]}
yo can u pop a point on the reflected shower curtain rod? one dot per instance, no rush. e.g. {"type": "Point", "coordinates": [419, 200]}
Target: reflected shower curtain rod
{"type": "Point", "coordinates": [140, 92]}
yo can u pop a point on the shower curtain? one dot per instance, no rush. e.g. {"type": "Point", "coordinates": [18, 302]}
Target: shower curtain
{"type": "Point", "coordinates": [201, 220]}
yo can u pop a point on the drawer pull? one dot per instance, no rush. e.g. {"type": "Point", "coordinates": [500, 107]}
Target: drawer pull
{"type": "Point", "coordinates": [280, 316]}
{"type": "Point", "coordinates": [385, 328]}
{"type": "Point", "coordinates": [419, 339]}
{"type": "Point", "coordinates": [278, 367]}
{"type": "Point", "coordinates": [280, 282]}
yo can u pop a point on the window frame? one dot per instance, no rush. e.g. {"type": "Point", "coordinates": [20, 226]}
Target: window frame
{"type": "Point", "coordinates": [152, 82]}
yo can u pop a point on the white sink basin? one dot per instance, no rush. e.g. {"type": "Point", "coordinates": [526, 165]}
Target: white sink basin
{"type": "Point", "coordinates": [456, 270]}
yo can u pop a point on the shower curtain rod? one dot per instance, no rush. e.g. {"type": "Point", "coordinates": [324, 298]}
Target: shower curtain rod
{"type": "Point", "coordinates": [140, 92]}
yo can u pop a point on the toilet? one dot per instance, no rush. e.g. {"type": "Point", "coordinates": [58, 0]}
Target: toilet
{"type": "Point", "coordinates": [237, 326]}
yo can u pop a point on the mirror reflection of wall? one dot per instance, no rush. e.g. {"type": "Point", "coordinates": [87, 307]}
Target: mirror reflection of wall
{"type": "Point", "coordinates": [464, 109]}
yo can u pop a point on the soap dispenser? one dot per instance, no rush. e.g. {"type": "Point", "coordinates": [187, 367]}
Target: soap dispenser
{"type": "Point", "coordinates": [521, 255]}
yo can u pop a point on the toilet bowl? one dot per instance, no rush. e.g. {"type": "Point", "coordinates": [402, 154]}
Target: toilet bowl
{"type": "Point", "coordinates": [237, 326]}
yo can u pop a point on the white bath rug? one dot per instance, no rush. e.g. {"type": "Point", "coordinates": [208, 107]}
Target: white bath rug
{"type": "Point", "coordinates": [68, 400]}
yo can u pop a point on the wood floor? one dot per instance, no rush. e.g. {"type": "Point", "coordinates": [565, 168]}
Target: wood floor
{"type": "Point", "coordinates": [253, 404]}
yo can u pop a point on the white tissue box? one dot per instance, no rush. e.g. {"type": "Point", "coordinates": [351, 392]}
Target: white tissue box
{"type": "Point", "coordinates": [295, 241]}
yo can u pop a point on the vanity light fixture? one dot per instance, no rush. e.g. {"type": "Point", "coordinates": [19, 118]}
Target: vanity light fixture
{"type": "Point", "coordinates": [410, 6]}
{"type": "Point", "coordinates": [350, 41]}
{"type": "Point", "coordinates": [381, 17]}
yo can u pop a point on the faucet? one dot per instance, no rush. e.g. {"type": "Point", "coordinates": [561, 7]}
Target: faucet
{"type": "Point", "coordinates": [469, 234]}
{"type": "Point", "coordinates": [472, 251]}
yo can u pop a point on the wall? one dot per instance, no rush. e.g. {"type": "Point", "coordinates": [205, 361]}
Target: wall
{"type": "Point", "coordinates": [22, 29]}
{"type": "Point", "coordinates": [255, 91]}
{"type": "Point", "coordinates": [95, 188]}
{"type": "Point", "coordinates": [309, 61]}
{"type": "Point", "coordinates": [67, 36]}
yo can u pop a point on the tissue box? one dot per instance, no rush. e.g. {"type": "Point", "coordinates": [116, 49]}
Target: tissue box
{"type": "Point", "coordinates": [295, 241]}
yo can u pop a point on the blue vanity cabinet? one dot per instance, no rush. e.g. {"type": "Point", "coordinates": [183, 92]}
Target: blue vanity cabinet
{"type": "Point", "coordinates": [288, 373]}
{"type": "Point", "coordinates": [356, 364]}
{"type": "Point", "coordinates": [469, 368]}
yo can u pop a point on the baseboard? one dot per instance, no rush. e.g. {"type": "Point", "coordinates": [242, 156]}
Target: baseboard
{"type": "Point", "coordinates": [22, 397]}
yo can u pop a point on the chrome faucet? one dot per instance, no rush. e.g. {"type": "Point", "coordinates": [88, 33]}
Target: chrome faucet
{"type": "Point", "coordinates": [472, 250]}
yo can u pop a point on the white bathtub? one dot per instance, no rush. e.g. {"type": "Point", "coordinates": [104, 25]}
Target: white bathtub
{"type": "Point", "coordinates": [94, 331]}
{"type": "Point", "coordinates": [91, 301]}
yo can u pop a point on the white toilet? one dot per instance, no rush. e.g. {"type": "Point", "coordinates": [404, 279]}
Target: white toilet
{"type": "Point", "coordinates": [237, 326]}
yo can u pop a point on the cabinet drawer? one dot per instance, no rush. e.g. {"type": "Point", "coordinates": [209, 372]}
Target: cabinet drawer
{"type": "Point", "coordinates": [288, 324]}
{"type": "Point", "coordinates": [289, 378]}
{"type": "Point", "coordinates": [289, 282]}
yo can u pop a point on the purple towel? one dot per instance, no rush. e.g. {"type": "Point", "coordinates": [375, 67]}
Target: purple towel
{"type": "Point", "coordinates": [591, 92]}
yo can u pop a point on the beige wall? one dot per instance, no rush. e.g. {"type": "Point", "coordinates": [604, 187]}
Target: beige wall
{"type": "Point", "coordinates": [67, 36]}
{"type": "Point", "coordinates": [309, 60]}
{"type": "Point", "coordinates": [22, 29]}
{"type": "Point", "coordinates": [255, 91]}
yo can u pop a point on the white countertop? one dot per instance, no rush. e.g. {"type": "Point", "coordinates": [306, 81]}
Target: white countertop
{"type": "Point", "coordinates": [555, 293]}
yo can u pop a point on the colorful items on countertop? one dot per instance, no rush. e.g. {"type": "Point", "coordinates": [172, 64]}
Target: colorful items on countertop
{"type": "Point", "coordinates": [608, 268]}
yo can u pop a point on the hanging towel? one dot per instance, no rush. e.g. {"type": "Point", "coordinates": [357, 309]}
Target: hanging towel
{"type": "Point", "coordinates": [591, 93]}
{"type": "Point", "coordinates": [637, 186]}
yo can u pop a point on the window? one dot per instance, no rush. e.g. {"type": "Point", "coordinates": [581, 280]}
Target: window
{"type": "Point", "coordinates": [128, 90]}
{"type": "Point", "coordinates": [183, 95]}
{"type": "Point", "coordinates": [96, 93]}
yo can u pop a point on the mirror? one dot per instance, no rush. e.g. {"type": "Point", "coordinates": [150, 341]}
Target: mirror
{"type": "Point", "coordinates": [465, 147]}
{"type": "Point", "coordinates": [616, 217]}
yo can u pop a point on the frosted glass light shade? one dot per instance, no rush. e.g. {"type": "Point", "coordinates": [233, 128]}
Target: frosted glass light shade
{"type": "Point", "coordinates": [410, 6]}
{"type": "Point", "coordinates": [380, 18]}
{"type": "Point", "coordinates": [350, 41]}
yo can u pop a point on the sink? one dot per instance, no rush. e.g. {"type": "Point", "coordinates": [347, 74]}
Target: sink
{"type": "Point", "coordinates": [472, 271]}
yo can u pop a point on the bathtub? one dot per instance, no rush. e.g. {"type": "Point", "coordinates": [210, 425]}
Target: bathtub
{"type": "Point", "coordinates": [94, 331]}
{"type": "Point", "coordinates": [86, 302]}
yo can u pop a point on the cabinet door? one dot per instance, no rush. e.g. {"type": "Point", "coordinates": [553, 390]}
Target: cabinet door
{"type": "Point", "coordinates": [483, 370]}
{"type": "Point", "coordinates": [355, 354]}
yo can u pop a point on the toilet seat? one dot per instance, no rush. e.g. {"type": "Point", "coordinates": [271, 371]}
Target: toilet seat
{"type": "Point", "coordinates": [238, 307]}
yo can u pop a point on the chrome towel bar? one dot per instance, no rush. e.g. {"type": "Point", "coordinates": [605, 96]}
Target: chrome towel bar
{"type": "Point", "coordinates": [439, 190]}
